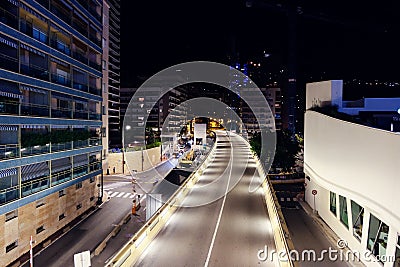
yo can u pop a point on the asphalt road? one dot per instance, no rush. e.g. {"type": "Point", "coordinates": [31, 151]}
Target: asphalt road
{"type": "Point", "coordinates": [94, 229]}
{"type": "Point", "coordinates": [228, 229]}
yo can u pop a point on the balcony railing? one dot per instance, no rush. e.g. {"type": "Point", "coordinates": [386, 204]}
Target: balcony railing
{"type": "Point", "coordinates": [61, 177]}
{"type": "Point", "coordinates": [65, 16]}
{"type": "Point", "coordinates": [61, 113]}
{"type": "Point", "coordinates": [80, 86]}
{"type": "Point", "coordinates": [60, 46]}
{"type": "Point", "coordinates": [94, 141]}
{"type": "Point", "coordinates": [60, 79]}
{"type": "Point", "coordinates": [81, 143]}
{"type": "Point", "coordinates": [8, 63]}
{"type": "Point", "coordinates": [8, 18]}
{"type": "Point", "coordinates": [29, 109]}
{"type": "Point", "coordinates": [35, 71]}
{"type": "Point", "coordinates": [94, 116]}
{"type": "Point", "coordinates": [95, 91]}
{"type": "Point", "coordinates": [34, 186]}
{"type": "Point", "coordinates": [94, 166]}
{"type": "Point", "coordinates": [35, 150]}
{"type": "Point", "coordinates": [9, 108]}
{"type": "Point", "coordinates": [9, 194]}
{"type": "Point", "coordinates": [81, 114]}
{"type": "Point", "coordinates": [95, 65]}
{"type": "Point", "coordinates": [61, 146]}
{"type": "Point", "coordinates": [80, 171]}
{"type": "Point", "coordinates": [9, 151]}
{"type": "Point", "coordinates": [80, 57]}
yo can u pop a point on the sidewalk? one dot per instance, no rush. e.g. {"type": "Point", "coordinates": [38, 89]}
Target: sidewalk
{"type": "Point", "coordinates": [330, 235]}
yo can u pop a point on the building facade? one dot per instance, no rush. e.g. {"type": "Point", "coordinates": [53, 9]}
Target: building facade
{"type": "Point", "coordinates": [113, 69]}
{"type": "Point", "coordinates": [50, 119]}
{"type": "Point", "coordinates": [352, 170]}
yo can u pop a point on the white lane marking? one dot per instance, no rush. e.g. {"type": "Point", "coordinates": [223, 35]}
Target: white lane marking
{"type": "Point", "coordinates": [131, 196]}
{"type": "Point", "coordinates": [114, 194]}
{"type": "Point", "coordinates": [220, 212]}
{"type": "Point", "coordinates": [126, 195]}
{"type": "Point", "coordinates": [120, 194]}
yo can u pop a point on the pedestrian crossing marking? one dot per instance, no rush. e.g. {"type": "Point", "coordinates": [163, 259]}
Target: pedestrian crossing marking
{"type": "Point", "coordinates": [120, 194]}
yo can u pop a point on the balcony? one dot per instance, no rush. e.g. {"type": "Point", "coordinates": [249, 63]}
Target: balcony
{"type": "Point", "coordinates": [32, 31]}
{"type": "Point", "coordinates": [35, 71]}
{"type": "Point", "coordinates": [60, 79]}
{"type": "Point", "coordinates": [61, 146]}
{"type": "Point", "coordinates": [29, 109]}
{"type": "Point", "coordinates": [80, 143]}
{"type": "Point", "coordinates": [81, 86]}
{"type": "Point", "coordinates": [9, 194]}
{"type": "Point", "coordinates": [11, 108]}
{"type": "Point", "coordinates": [94, 141]}
{"type": "Point", "coordinates": [61, 12]}
{"type": "Point", "coordinates": [8, 18]}
{"type": "Point", "coordinates": [95, 65]}
{"type": "Point", "coordinates": [94, 166]}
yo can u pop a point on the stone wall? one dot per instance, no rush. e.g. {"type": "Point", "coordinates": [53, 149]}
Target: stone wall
{"type": "Point", "coordinates": [34, 215]}
{"type": "Point", "coordinates": [151, 157]}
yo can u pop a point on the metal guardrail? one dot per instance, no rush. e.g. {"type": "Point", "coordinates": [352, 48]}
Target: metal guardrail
{"type": "Point", "coordinates": [132, 250]}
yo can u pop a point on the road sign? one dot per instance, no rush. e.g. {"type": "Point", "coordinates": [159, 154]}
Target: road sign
{"type": "Point", "coordinates": [314, 192]}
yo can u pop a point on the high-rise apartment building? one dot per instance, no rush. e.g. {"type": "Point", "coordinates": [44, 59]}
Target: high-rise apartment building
{"type": "Point", "coordinates": [50, 119]}
{"type": "Point", "coordinates": [113, 69]}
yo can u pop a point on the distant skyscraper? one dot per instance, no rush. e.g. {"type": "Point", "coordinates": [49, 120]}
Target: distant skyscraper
{"type": "Point", "coordinates": [50, 118]}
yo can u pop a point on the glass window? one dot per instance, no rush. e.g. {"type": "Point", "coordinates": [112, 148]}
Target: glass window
{"type": "Point", "coordinates": [377, 237]}
{"type": "Point", "coordinates": [333, 202]}
{"type": "Point", "coordinates": [357, 215]}
{"type": "Point", "coordinates": [343, 211]}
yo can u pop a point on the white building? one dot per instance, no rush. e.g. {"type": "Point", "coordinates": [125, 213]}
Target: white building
{"type": "Point", "coordinates": [354, 169]}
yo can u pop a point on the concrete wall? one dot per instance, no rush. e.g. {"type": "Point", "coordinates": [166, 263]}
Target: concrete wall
{"type": "Point", "coordinates": [322, 93]}
{"type": "Point", "coordinates": [30, 217]}
{"type": "Point", "coordinates": [151, 157]}
{"type": "Point", "coordinates": [358, 162]}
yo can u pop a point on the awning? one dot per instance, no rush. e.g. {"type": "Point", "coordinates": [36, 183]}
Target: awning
{"type": "Point", "coordinates": [60, 165]}
{"type": "Point", "coordinates": [80, 160]}
{"type": "Point", "coordinates": [10, 128]}
{"type": "Point", "coordinates": [32, 126]}
{"type": "Point", "coordinates": [8, 42]}
{"type": "Point", "coordinates": [59, 62]}
{"type": "Point", "coordinates": [81, 101]}
{"type": "Point", "coordinates": [10, 90]}
{"type": "Point", "coordinates": [32, 171]}
{"type": "Point", "coordinates": [59, 126]}
{"type": "Point", "coordinates": [15, 2]}
{"type": "Point", "coordinates": [8, 172]}
{"type": "Point", "coordinates": [61, 97]}
{"type": "Point", "coordinates": [33, 12]}
{"type": "Point", "coordinates": [37, 52]}
{"type": "Point", "coordinates": [33, 89]}
{"type": "Point", "coordinates": [79, 126]}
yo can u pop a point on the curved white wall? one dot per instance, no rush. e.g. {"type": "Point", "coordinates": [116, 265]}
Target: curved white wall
{"type": "Point", "coordinates": [359, 162]}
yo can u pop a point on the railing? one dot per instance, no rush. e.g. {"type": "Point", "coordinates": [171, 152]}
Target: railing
{"type": "Point", "coordinates": [35, 150]}
{"type": "Point", "coordinates": [61, 146]}
{"type": "Point", "coordinates": [60, 46]}
{"type": "Point", "coordinates": [8, 18]}
{"type": "Point", "coordinates": [9, 194]}
{"type": "Point", "coordinates": [80, 143]}
{"type": "Point", "coordinates": [80, 57]}
{"type": "Point", "coordinates": [9, 108]}
{"type": "Point", "coordinates": [95, 91]}
{"type": "Point", "coordinates": [81, 114]}
{"type": "Point", "coordinates": [80, 171]}
{"type": "Point", "coordinates": [35, 110]}
{"type": "Point", "coordinates": [61, 113]}
{"type": "Point", "coordinates": [30, 29]}
{"type": "Point", "coordinates": [95, 65]}
{"type": "Point", "coordinates": [9, 151]}
{"type": "Point", "coordinates": [94, 166]}
{"type": "Point", "coordinates": [34, 186]}
{"type": "Point", "coordinates": [94, 116]}
{"type": "Point", "coordinates": [80, 86]}
{"type": "Point", "coordinates": [35, 71]}
{"type": "Point", "coordinates": [61, 177]}
{"type": "Point", "coordinates": [59, 13]}
{"type": "Point", "coordinates": [95, 141]}
{"type": "Point", "coordinates": [8, 63]}
{"type": "Point", "coordinates": [60, 79]}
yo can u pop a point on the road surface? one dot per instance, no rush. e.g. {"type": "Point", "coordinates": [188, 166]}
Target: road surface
{"type": "Point", "coordinates": [226, 232]}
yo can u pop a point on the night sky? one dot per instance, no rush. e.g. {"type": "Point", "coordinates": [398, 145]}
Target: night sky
{"type": "Point", "coordinates": [336, 40]}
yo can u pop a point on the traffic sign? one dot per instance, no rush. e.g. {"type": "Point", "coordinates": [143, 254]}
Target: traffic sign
{"type": "Point", "coordinates": [314, 192]}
